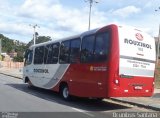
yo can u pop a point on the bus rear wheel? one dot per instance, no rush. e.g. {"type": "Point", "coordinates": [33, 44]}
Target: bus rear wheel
{"type": "Point", "coordinates": [65, 92]}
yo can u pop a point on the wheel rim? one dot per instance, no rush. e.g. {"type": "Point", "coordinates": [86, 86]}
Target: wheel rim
{"type": "Point", "coordinates": [65, 92]}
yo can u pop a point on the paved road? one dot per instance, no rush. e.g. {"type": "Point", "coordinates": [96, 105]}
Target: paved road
{"type": "Point", "coordinates": [15, 96]}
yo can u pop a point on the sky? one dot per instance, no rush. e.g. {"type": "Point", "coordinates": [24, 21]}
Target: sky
{"type": "Point", "coordinates": [63, 18]}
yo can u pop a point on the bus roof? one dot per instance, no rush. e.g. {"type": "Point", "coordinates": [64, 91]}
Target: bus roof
{"type": "Point", "coordinates": [81, 35]}
{"type": "Point", "coordinates": [67, 38]}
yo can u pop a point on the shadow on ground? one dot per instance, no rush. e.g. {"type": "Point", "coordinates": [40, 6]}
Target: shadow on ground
{"type": "Point", "coordinates": [79, 103]}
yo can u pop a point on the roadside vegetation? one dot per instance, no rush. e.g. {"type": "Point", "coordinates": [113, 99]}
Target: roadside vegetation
{"type": "Point", "coordinates": [157, 74]}
{"type": "Point", "coordinates": [14, 46]}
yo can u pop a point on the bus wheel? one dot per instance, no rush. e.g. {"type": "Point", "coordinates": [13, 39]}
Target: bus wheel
{"type": "Point", "coordinates": [65, 92]}
{"type": "Point", "coordinates": [29, 84]}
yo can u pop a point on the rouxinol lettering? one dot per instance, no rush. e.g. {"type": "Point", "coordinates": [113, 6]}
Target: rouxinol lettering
{"type": "Point", "coordinates": [137, 43]}
{"type": "Point", "coordinates": [41, 70]}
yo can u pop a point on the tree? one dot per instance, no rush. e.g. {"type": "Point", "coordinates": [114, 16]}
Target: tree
{"type": "Point", "coordinates": [18, 59]}
{"type": "Point", "coordinates": [0, 57]}
{"type": "Point", "coordinates": [40, 39]}
{"type": "Point", "coordinates": [9, 45]}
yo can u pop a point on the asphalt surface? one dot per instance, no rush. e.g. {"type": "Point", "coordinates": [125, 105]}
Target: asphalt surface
{"type": "Point", "coordinates": [16, 97]}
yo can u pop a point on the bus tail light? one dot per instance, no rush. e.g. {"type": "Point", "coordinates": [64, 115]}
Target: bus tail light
{"type": "Point", "coordinates": [116, 81]}
{"type": "Point", "coordinates": [153, 83]}
{"type": "Point", "coordinates": [147, 91]}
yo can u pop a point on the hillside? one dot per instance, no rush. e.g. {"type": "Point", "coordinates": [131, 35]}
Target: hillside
{"type": "Point", "coordinates": [10, 45]}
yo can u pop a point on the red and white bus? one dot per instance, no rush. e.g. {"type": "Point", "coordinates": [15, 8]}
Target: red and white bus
{"type": "Point", "coordinates": [112, 61]}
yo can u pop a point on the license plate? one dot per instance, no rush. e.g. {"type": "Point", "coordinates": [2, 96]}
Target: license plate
{"type": "Point", "coordinates": [138, 87]}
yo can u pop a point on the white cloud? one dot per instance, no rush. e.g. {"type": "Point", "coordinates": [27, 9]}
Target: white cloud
{"type": "Point", "coordinates": [14, 28]}
{"type": "Point", "coordinates": [126, 11]}
{"type": "Point", "coordinates": [56, 19]}
{"type": "Point", "coordinates": [60, 17]}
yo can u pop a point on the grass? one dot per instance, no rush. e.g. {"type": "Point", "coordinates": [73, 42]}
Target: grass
{"type": "Point", "coordinates": [157, 83]}
{"type": "Point", "coordinates": [157, 79]}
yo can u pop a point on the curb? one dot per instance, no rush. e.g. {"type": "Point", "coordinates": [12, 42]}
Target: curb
{"type": "Point", "coordinates": [11, 75]}
{"type": "Point", "coordinates": [137, 104]}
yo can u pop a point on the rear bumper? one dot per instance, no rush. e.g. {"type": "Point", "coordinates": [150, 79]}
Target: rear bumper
{"type": "Point", "coordinates": [131, 93]}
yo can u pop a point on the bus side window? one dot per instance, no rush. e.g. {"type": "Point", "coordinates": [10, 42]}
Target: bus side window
{"type": "Point", "coordinates": [87, 49]}
{"type": "Point", "coordinates": [101, 47]}
{"type": "Point", "coordinates": [38, 55]}
{"type": "Point", "coordinates": [51, 53]}
{"type": "Point", "coordinates": [46, 53]}
{"type": "Point", "coordinates": [75, 50]}
{"type": "Point", "coordinates": [55, 53]}
{"type": "Point", "coordinates": [64, 52]}
{"type": "Point", "coordinates": [28, 57]}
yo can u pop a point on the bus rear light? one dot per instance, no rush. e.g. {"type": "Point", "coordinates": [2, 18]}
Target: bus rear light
{"type": "Point", "coordinates": [153, 83]}
{"type": "Point", "coordinates": [116, 81]}
{"type": "Point", "coordinates": [116, 77]}
{"type": "Point", "coordinates": [147, 91]}
{"type": "Point", "coordinates": [125, 91]}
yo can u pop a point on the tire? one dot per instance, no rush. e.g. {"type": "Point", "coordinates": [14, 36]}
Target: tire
{"type": "Point", "coordinates": [29, 84]}
{"type": "Point", "coordinates": [65, 93]}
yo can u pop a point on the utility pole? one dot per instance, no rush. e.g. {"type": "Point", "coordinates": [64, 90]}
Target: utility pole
{"type": "Point", "coordinates": [90, 10]}
{"type": "Point", "coordinates": [34, 31]}
{"type": "Point", "coordinates": [158, 43]}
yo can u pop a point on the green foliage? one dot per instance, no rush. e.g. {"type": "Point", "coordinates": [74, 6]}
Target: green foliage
{"type": "Point", "coordinates": [8, 46]}
{"type": "Point", "coordinates": [0, 57]}
{"type": "Point", "coordinates": [18, 59]}
{"type": "Point", "coordinates": [39, 39]}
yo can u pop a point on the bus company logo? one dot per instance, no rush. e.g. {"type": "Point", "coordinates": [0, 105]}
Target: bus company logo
{"type": "Point", "coordinates": [98, 68]}
{"type": "Point", "coordinates": [139, 36]}
{"type": "Point", "coordinates": [41, 70]}
{"type": "Point", "coordinates": [91, 68]}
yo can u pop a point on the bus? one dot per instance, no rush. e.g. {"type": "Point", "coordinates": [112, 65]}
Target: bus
{"type": "Point", "coordinates": [111, 61]}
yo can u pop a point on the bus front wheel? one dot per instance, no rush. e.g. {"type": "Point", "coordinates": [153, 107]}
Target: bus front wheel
{"type": "Point", "coordinates": [27, 80]}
